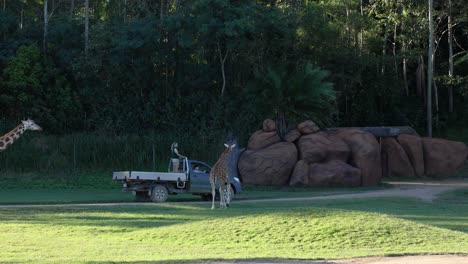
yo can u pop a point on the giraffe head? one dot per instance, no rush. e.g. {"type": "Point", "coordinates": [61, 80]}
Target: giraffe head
{"type": "Point", "coordinates": [230, 146]}
{"type": "Point", "coordinates": [29, 124]}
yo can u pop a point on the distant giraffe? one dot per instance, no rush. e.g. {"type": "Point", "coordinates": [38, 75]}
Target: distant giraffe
{"type": "Point", "coordinates": [10, 137]}
{"type": "Point", "coordinates": [220, 173]}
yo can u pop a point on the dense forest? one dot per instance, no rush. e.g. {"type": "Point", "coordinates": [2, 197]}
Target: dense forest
{"type": "Point", "coordinates": [206, 67]}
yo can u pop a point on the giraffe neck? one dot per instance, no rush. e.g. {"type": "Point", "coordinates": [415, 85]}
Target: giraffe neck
{"type": "Point", "coordinates": [224, 156]}
{"type": "Point", "coordinates": [10, 137]}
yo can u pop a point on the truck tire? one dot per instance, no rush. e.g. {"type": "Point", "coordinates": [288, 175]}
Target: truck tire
{"type": "Point", "coordinates": [159, 194]}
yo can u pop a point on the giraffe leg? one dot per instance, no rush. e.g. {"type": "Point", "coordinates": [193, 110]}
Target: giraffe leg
{"type": "Point", "coordinates": [221, 198]}
{"type": "Point", "coordinates": [228, 194]}
{"type": "Point", "coordinates": [213, 195]}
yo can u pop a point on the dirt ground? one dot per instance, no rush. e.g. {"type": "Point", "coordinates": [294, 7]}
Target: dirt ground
{"type": "Point", "coordinates": [424, 259]}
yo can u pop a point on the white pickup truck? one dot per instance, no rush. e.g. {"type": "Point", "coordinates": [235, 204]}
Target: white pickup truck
{"type": "Point", "coordinates": [193, 177]}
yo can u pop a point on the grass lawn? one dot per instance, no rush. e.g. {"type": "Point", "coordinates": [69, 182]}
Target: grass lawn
{"type": "Point", "coordinates": [162, 233]}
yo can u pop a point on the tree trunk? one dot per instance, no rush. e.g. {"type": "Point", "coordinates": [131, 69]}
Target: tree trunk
{"type": "Point", "coordinates": [72, 7]}
{"type": "Point", "coordinates": [161, 13]}
{"type": "Point", "coordinates": [394, 49]}
{"type": "Point", "coordinates": [384, 46]}
{"type": "Point", "coordinates": [21, 16]}
{"type": "Point", "coordinates": [125, 12]}
{"type": "Point", "coordinates": [361, 33]}
{"type": "Point", "coordinates": [86, 33]}
{"type": "Point", "coordinates": [46, 25]}
{"type": "Point", "coordinates": [405, 60]}
{"type": "Point", "coordinates": [430, 70]}
{"type": "Point", "coordinates": [436, 101]}
{"type": "Point", "coordinates": [450, 46]}
{"type": "Point", "coordinates": [222, 60]}
{"type": "Point", "coordinates": [348, 31]}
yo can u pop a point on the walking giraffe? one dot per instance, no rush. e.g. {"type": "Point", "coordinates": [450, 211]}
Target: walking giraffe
{"type": "Point", "coordinates": [220, 173]}
{"type": "Point", "coordinates": [10, 137]}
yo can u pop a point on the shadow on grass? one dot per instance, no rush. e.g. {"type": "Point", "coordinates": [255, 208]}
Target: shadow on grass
{"type": "Point", "coordinates": [449, 211]}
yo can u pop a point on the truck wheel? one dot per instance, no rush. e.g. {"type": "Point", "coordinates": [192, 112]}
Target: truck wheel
{"type": "Point", "coordinates": [159, 194]}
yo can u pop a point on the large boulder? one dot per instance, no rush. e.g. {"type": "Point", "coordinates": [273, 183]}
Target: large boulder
{"type": "Point", "coordinates": [293, 135]}
{"type": "Point", "coordinates": [442, 157]}
{"type": "Point", "coordinates": [398, 163]}
{"type": "Point", "coordinates": [300, 174]}
{"type": "Point", "coordinates": [334, 173]}
{"type": "Point", "coordinates": [321, 147]}
{"type": "Point", "coordinates": [269, 125]}
{"type": "Point", "coordinates": [261, 139]}
{"type": "Point", "coordinates": [365, 153]}
{"type": "Point", "coordinates": [414, 149]}
{"type": "Point", "coordinates": [307, 127]}
{"type": "Point", "coordinates": [269, 166]}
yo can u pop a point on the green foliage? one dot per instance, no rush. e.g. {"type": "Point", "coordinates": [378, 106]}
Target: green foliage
{"type": "Point", "coordinates": [300, 93]}
{"type": "Point", "coordinates": [32, 88]}
{"type": "Point", "coordinates": [158, 68]}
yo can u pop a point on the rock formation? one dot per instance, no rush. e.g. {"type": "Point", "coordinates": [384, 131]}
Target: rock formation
{"type": "Point", "coordinates": [343, 157]}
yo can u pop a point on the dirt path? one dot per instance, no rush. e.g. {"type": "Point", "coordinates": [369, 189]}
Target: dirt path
{"type": "Point", "coordinates": [421, 259]}
{"type": "Point", "coordinates": [424, 190]}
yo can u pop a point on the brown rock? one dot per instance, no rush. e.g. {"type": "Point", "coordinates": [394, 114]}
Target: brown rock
{"type": "Point", "coordinates": [300, 175]}
{"type": "Point", "coordinates": [443, 157]}
{"type": "Point", "coordinates": [322, 146]}
{"type": "Point", "coordinates": [261, 139]}
{"type": "Point", "coordinates": [272, 165]}
{"type": "Point", "coordinates": [269, 125]}
{"type": "Point", "coordinates": [365, 153]}
{"type": "Point", "coordinates": [397, 160]}
{"type": "Point", "coordinates": [414, 149]}
{"type": "Point", "coordinates": [335, 173]}
{"type": "Point", "coordinates": [307, 127]}
{"type": "Point", "coordinates": [292, 136]}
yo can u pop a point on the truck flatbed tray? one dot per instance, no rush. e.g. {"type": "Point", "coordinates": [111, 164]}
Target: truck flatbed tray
{"type": "Point", "coordinates": [152, 176]}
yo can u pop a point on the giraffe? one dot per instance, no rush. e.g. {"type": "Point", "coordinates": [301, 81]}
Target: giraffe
{"type": "Point", "coordinates": [10, 137]}
{"type": "Point", "coordinates": [220, 173]}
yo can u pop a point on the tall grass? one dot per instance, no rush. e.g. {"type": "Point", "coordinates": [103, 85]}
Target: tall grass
{"type": "Point", "coordinates": [95, 153]}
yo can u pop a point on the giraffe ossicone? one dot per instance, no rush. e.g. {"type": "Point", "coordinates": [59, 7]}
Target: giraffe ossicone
{"type": "Point", "coordinates": [10, 137]}
{"type": "Point", "coordinates": [220, 173]}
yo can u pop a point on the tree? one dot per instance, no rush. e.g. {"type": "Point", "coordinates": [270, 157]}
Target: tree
{"type": "Point", "coordinates": [46, 27]}
{"type": "Point", "coordinates": [299, 93]}
{"type": "Point", "coordinates": [450, 59]}
{"type": "Point", "coordinates": [86, 32]}
{"type": "Point", "coordinates": [430, 69]}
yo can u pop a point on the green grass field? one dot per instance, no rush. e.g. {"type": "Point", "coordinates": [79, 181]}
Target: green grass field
{"type": "Point", "coordinates": [162, 233]}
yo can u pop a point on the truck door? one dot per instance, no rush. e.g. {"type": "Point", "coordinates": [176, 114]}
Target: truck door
{"type": "Point", "coordinates": [199, 178]}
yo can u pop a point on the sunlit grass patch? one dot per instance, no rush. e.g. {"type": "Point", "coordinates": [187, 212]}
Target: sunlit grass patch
{"type": "Point", "coordinates": [168, 232]}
